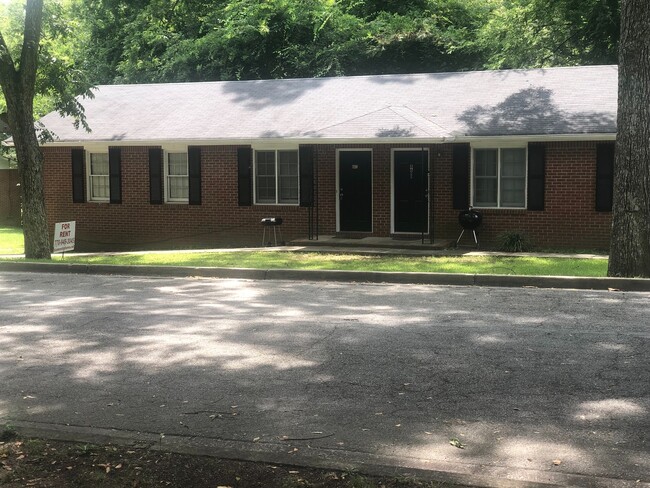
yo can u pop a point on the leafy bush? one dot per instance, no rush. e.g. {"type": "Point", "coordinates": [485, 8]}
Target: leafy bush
{"type": "Point", "coordinates": [514, 241]}
{"type": "Point", "coordinates": [7, 433]}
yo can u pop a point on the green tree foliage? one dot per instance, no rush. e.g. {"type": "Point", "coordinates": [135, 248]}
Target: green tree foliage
{"type": "Point", "coordinates": [59, 78]}
{"type": "Point", "coordinates": [36, 60]}
{"type": "Point", "coordinates": [539, 33]}
{"type": "Point", "coordinates": [187, 40]}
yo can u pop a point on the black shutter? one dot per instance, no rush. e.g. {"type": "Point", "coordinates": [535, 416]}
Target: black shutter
{"type": "Point", "coordinates": [536, 176]}
{"type": "Point", "coordinates": [115, 174]}
{"type": "Point", "coordinates": [306, 176]}
{"type": "Point", "coordinates": [604, 177]}
{"type": "Point", "coordinates": [244, 176]}
{"type": "Point", "coordinates": [460, 177]}
{"type": "Point", "coordinates": [155, 175]}
{"type": "Point", "coordinates": [194, 167]}
{"type": "Point", "coordinates": [78, 180]}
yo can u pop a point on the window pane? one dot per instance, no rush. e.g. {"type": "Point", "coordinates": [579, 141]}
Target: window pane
{"type": "Point", "coordinates": [99, 164]}
{"type": "Point", "coordinates": [517, 155]}
{"type": "Point", "coordinates": [485, 192]}
{"type": "Point", "coordinates": [266, 163]}
{"type": "Point", "coordinates": [99, 187]}
{"type": "Point", "coordinates": [177, 164]}
{"type": "Point", "coordinates": [178, 187]}
{"type": "Point", "coordinates": [99, 181]}
{"type": "Point", "coordinates": [486, 162]}
{"type": "Point", "coordinates": [265, 176]}
{"type": "Point", "coordinates": [513, 162]}
{"type": "Point", "coordinates": [177, 177]}
{"type": "Point", "coordinates": [513, 192]}
{"type": "Point", "coordinates": [288, 181]}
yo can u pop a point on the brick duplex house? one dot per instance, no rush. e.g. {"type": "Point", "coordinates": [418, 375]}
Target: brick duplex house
{"type": "Point", "coordinates": [199, 164]}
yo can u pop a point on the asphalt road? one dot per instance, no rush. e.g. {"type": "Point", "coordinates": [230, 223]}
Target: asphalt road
{"type": "Point", "coordinates": [536, 385]}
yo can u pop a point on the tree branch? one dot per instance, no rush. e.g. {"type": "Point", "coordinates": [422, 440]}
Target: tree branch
{"type": "Point", "coordinates": [31, 41]}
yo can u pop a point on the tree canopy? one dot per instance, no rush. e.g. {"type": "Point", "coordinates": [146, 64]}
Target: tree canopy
{"type": "Point", "coordinates": [189, 40]}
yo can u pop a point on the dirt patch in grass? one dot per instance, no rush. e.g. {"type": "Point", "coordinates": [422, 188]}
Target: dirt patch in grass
{"type": "Point", "coordinates": [56, 464]}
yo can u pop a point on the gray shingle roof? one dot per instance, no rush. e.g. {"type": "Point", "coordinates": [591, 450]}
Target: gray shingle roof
{"type": "Point", "coordinates": [553, 101]}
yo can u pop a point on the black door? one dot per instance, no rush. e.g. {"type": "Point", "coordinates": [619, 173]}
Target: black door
{"type": "Point", "coordinates": [410, 192]}
{"type": "Point", "coordinates": [355, 191]}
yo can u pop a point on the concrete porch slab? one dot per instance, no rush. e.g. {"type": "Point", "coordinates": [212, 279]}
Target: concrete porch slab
{"type": "Point", "coordinates": [376, 242]}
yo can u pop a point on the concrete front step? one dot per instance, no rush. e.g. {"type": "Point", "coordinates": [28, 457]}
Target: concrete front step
{"type": "Point", "coordinates": [376, 242]}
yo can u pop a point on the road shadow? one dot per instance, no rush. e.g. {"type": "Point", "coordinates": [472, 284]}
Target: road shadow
{"type": "Point", "coordinates": [547, 380]}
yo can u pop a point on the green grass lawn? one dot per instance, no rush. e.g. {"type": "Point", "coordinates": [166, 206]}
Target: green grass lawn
{"type": "Point", "coordinates": [11, 240]}
{"type": "Point", "coordinates": [317, 261]}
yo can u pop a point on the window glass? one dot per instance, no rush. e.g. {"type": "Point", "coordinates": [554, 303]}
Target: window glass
{"type": "Point", "coordinates": [486, 162]}
{"type": "Point", "coordinates": [513, 177]}
{"type": "Point", "coordinates": [288, 176]}
{"type": "Point", "coordinates": [500, 177]}
{"type": "Point", "coordinates": [276, 177]}
{"type": "Point", "coordinates": [513, 162]}
{"type": "Point", "coordinates": [265, 169]}
{"type": "Point", "coordinates": [178, 185]}
{"type": "Point", "coordinates": [513, 192]}
{"type": "Point", "coordinates": [486, 192]}
{"type": "Point", "coordinates": [486, 182]}
{"type": "Point", "coordinates": [99, 179]}
{"type": "Point", "coordinates": [178, 164]}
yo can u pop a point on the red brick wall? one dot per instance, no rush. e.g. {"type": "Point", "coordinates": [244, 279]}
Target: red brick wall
{"type": "Point", "coordinates": [9, 197]}
{"type": "Point", "coordinates": [135, 223]}
{"type": "Point", "coordinates": [219, 221]}
{"type": "Point", "coordinates": [569, 218]}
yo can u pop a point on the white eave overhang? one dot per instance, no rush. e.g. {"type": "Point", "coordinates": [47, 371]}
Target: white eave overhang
{"type": "Point", "coordinates": [295, 142]}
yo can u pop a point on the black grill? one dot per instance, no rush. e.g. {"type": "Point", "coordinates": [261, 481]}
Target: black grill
{"type": "Point", "coordinates": [470, 219]}
{"type": "Point", "coordinates": [272, 221]}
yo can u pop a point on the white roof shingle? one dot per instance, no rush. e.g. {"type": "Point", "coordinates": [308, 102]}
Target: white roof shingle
{"type": "Point", "coordinates": [440, 106]}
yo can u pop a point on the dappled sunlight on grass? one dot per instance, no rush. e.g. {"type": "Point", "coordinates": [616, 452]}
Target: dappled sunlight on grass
{"type": "Point", "coordinates": [322, 261]}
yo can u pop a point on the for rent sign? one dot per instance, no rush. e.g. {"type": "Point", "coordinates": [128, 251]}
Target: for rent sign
{"type": "Point", "coordinates": [64, 236]}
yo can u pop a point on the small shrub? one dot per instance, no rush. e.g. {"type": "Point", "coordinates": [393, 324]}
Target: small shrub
{"type": "Point", "coordinates": [513, 241]}
{"type": "Point", "coordinates": [8, 433]}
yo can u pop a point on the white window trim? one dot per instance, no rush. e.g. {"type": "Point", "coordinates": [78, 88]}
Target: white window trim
{"type": "Point", "coordinates": [473, 175]}
{"type": "Point", "coordinates": [276, 150]}
{"type": "Point", "coordinates": [166, 153]}
{"type": "Point", "coordinates": [89, 179]}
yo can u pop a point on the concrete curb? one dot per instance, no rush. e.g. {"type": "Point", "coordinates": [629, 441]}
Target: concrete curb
{"type": "Point", "coordinates": [566, 282]}
{"type": "Point", "coordinates": [278, 452]}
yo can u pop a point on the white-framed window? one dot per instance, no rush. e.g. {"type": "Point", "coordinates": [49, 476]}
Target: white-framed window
{"type": "Point", "coordinates": [99, 189]}
{"type": "Point", "coordinates": [276, 177]}
{"type": "Point", "coordinates": [177, 181]}
{"type": "Point", "coordinates": [499, 177]}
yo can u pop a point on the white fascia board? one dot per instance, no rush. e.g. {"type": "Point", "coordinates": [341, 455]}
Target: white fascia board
{"type": "Point", "coordinates": [293, 143]}
{"type": "Point", "coordinates": [502, 141]}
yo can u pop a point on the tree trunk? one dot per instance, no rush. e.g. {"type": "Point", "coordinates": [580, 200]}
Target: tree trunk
{"type": "Point", "coordinates": [18, 85]}
{"type": "Point", "coordinates": [30, 170]}
{"type": "Point", "coordinates": [630, 241]}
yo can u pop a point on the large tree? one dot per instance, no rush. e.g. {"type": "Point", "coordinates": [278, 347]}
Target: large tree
{"type": "Point", "coordinates": [630, 244]}
{"type": "Point", "coordinates": [36, 64]}
{"type": "Point", "coordinates": [18, 82]}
